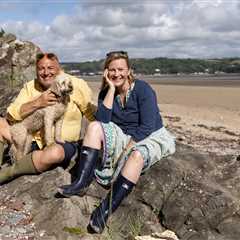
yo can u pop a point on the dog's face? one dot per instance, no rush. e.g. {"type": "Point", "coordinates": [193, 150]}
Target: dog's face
{"type": "Point", "coordinates": [62, 85]}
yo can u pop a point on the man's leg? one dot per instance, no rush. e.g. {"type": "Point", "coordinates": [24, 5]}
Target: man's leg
{"type": "Point", "coordinates": [22, 167]}
{"type": "Point", "coordinates": [1, 152]}
{"type": "Point", "coordinates": [4, 135]}
{"type": "Point", "coordinates": [49, 156]}
{"type": "Point", "coordinates": [34, 162]}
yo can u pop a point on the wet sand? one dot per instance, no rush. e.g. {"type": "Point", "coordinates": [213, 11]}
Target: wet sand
{"type": "Point", "coordinates": [206, 116]}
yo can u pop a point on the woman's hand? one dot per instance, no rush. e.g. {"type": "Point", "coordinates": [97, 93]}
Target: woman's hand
{"type": "Point", "coordinates": [109, 98]}
{"type": "Point", "coordinates": [130, 144]}
{"type": "Point", "coordinates": [108, 81]}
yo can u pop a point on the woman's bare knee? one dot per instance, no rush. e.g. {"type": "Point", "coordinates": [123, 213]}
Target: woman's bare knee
{"type": "Point", "coordinates": [133, 166]}
{"type": "Point", "coordinates": [94, 128]}
{"type": "Point", "coordinates": [137, 157]}
{"type": "Point", "coordinates": [94, 135]}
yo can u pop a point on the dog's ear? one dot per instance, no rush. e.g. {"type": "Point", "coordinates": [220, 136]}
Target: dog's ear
{"type": "Point", "coordinates": [55, 88]}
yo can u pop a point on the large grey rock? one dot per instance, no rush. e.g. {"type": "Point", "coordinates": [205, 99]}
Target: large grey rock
{"type": "Point", "coordinates": [195, 195]}
{"type": "Point", "coordinates": [7, 95]}
{"type": "Point", "coordinates": [17, 60]}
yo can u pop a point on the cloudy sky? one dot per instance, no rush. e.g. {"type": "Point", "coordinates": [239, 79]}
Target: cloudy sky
{"type": "Point", "coordinates": [87, 29]}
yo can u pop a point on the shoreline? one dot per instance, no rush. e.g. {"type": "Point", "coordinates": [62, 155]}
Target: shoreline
{"type": "Point", "coordinates": [224, 80]}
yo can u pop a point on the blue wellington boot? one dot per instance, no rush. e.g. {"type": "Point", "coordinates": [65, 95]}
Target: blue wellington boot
{"type": "Point", "coordinates": [85, 166]}
{"type": "Point", "coordinates": [121, 188]}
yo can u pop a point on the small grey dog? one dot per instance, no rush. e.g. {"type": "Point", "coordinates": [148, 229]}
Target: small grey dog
{"type": "Point", "coordinates": [47, 118]}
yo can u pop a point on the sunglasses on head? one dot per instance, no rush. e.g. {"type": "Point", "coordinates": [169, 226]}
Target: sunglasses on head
{"type": "Point", "coordinates": [120, 53]}
{"type": "Point", "coordinates": [39, 56]}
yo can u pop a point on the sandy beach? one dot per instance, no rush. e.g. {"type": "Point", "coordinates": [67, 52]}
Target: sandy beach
{"type": "Point", "coordinates": [206, 116]}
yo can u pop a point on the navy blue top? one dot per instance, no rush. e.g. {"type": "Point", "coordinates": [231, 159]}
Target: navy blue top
{"type": "Point", "coordinates": [139, 117]}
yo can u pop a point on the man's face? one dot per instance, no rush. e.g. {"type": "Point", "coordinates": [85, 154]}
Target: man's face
{"type": "Point", "coordinates": [47, 69]}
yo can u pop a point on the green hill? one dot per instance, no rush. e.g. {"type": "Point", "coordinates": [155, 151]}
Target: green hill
{"type": "Point", "coordinates": [163, 66]}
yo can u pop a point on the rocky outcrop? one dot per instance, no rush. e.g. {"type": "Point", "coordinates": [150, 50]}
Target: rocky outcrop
{"type": "Point", "coordinates": [195, 195]}
{"type": "Point", "coordinates": [7, 95]}
{"type": "Point", "coordinates": [17, 60]}
{"type": "Point", "coordinates": [198, 194]}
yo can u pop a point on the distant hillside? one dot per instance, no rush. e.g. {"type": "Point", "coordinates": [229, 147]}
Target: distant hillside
{"type": "Point", "coordinates": [163, 66]}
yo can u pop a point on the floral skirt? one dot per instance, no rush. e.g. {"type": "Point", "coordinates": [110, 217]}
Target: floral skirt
{"type": "Point", "coordinates": [153, 148]}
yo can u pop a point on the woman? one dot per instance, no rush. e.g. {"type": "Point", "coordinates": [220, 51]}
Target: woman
{"type": "Point", "coordinates": [130, 129]}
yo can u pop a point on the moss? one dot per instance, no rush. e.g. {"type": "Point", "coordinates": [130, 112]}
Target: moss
{"type": "Point", "coordinates": [75, 230]}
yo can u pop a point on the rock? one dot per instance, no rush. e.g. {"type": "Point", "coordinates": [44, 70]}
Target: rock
{"type": "Point", "coordinates": [16, 205]}
{"type": "Point", "coordinates": [7, 38]}
{"type": "Point", "coordinates": [192, 194]}
{"type": "Point", "coordinates": [5, 230]}
{"type": "Point", "coordinates": [166, 235]}
{"type": "Point", "coordinates": [7, 95]}
{"type": "Point", "coordinates": [17, 60]}
{"type": "Point", "coordinates": [195, 193]}
{"type": "Point", "coordinates": [21, 230]}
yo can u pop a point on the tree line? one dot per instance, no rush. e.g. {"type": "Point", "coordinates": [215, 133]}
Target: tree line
{"type": "Point", "coordinates": [163, 66]}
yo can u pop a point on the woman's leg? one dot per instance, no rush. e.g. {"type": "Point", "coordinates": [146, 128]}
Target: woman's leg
{"type": "Point", "coordinates": [54, 154]}
{"type": "Point", "coordinates": [133, 167]}
{"type": "Point", "coordinates": [121, 188]}
{"type": "Point", "coordinates": [87, 162]}
{"type": "Point", "coordinates": [94, 135]}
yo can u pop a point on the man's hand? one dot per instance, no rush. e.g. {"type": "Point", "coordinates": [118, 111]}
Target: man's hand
{"type": "Point", "coordinates": [47, 98]}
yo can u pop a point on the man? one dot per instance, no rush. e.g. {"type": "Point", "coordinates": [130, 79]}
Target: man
{"type": "Point", "coordinates": [35, 95]}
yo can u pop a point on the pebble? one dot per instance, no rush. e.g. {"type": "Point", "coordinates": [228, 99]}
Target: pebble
{"type": "Point", "coordinates": [21, 230]}
{"type": "Point", "coordinates": [15, 220]}
{"type": "Point", "coordinates": [5, 229]}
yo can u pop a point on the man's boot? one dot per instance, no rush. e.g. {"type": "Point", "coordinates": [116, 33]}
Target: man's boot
{"type": "Point", "coordinates": [85, 166]}
{"type": "Point", "coordinates": [19, 168]}
{"type": "Point", "coordinates": [121, 188]}
{"type": "Point", "coordinates": [1, 152]}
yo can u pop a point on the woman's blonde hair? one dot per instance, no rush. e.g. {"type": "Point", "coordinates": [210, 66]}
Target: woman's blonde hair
{"type": "Point", "coordinates": [111, 56]}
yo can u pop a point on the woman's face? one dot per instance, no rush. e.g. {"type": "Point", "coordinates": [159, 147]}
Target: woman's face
{"type": "Point", "coordinates": [118, 72]}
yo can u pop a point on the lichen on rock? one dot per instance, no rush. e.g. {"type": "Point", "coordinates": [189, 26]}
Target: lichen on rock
{"type": "Point", "coordinates": [17, 60]}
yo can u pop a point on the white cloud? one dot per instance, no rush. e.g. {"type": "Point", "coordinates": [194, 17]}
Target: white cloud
{"type": "Point", "coordinates": [145, 29]}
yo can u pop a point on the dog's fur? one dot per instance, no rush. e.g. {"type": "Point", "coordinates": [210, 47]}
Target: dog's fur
{"type": "Point", "coordinates": [44, 118]}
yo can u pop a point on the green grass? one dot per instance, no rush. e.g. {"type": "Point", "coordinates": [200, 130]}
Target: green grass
{"type": "Point", "coordinates": [135, 226]}
{"type": "Point", "coordinates": [75, 230]}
